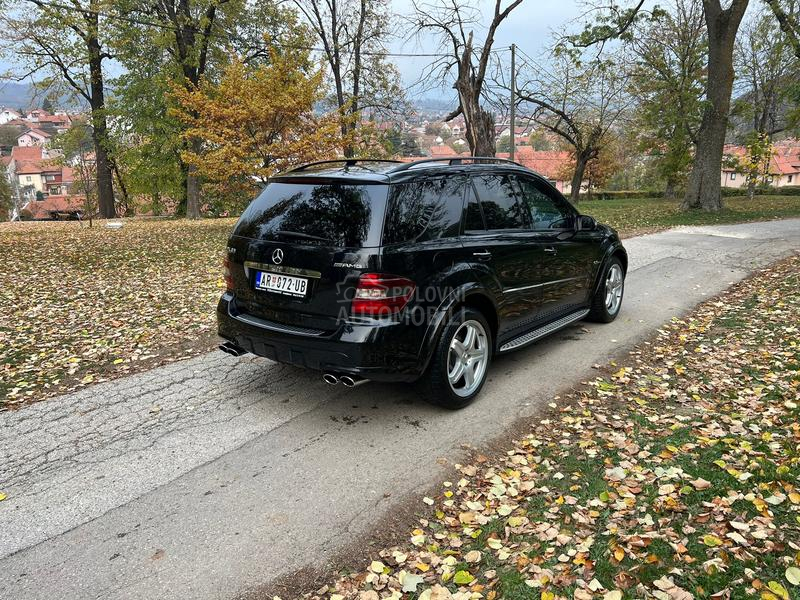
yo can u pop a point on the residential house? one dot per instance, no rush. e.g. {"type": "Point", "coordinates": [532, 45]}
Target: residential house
{"type": "Point", "coordinates": [34, 137]}
{"type": "Point", "coordinates": [35, 175]}
{"type": "Point", "coordinates": [784, 165]}
{"type": "Point", "coordinates": [8, 114]}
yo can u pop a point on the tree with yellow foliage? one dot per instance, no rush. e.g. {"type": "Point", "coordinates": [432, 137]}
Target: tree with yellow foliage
{"type": "Point", "coordinates": [254, 123]}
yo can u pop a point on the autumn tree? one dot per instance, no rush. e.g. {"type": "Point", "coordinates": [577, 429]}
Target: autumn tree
{"type": "Point", "coordinates": [352, 35]}
{"type": "Point", "coordinates": [177, 41]}
{"type": "Point", "coordinates": [452, 22]}
{"type": "Point", "coordinates": [722, 24]}
{"type": "Point", "coordinates": [66, 45]}
{"type": "Point", "coordinates": [580, 102]}
{"type": "Point", "coordinates": [787, 13]}
{"type": "Point", "coordinates": [257, 121]}
{"type": "Point", "coordinates": [667, 80]}
{"type": "Point", "coordinates": [766, 73]}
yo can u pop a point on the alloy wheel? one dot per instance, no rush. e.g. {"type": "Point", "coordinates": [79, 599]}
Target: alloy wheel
{"type": "Point", "coordinates": [614, 284]}
{"type": "Point", "coordinates": [467, 358]}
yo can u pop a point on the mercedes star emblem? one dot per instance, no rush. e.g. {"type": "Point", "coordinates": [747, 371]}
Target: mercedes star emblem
{"type": "Point", "coordinates": [277, 256]}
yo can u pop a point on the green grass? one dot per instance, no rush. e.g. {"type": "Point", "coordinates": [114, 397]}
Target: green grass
{"type": "Point", "coordinates": [630, 216]}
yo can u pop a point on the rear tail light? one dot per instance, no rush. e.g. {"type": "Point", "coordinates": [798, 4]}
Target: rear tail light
{"type": "Point", "coordinates": [378, 294]}
{"type": "Point", "coordinates": [226, 274]}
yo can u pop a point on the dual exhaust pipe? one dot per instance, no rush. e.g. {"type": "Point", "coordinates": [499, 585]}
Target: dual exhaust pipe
{"type": "Point", "coordinates": [349, 381]}
{"type": "Point", "coordinates": [232, 349]}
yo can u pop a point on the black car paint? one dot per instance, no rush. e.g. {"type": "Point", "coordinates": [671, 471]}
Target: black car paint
{"type": "Point", "coordinates": [531, 278]}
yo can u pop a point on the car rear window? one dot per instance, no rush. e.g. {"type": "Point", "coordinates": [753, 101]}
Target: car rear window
{"type": "Point", "coordinates": [317, 213]}
{"type": "Point", "coordinates": [425, 209]}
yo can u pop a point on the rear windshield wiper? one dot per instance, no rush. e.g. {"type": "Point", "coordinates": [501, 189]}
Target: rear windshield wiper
{"type": "Point", "coordinates": [302, 236]}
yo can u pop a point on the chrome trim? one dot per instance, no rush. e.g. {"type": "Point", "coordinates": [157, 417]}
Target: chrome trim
{"type": "Point", "coordinates": [280, 269]}
{"type": "Point", "coordinates": [535, 285]}
{"type": "Point", "coordinates": [536, 334]}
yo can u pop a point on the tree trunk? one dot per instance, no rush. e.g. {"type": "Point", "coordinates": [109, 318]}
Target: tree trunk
{"type": "Point", "coordinates": [103, 173]}
{"type": "Point", "coordinates": [479, 122]}
{"type": "Point", "coordinates": [581, 161]}
{"type": "Point", "coordinates": [193, 186]}
{"type": "Point", "coordinates": [704, 188]}
{"type": "Point", "coordinates": [669, 189]}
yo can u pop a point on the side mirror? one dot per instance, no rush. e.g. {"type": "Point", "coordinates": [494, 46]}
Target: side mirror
{"type": "Point", "coordinates": [586, 223]}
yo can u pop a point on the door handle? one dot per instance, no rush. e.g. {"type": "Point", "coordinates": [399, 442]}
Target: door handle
{"type": "Point", "coordinates": [551, 250]}
{"type": "Point", "coordinates": [484, 255]}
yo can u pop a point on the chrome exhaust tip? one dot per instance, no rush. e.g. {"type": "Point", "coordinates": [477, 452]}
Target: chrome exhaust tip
{"type": "Point", "coordinates": [351, 382]}
{"type": "Point", "coordinates": [232, 349]}
{"type": "Point", "coordinates": [330, 379]}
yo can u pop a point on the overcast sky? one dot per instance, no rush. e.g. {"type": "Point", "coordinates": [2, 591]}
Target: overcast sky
{"type": "Point", "coordinates": [530, 26]}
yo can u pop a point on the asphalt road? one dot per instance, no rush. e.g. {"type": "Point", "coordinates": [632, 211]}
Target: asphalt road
{"type": "Point", "coordinates": [212, 476]}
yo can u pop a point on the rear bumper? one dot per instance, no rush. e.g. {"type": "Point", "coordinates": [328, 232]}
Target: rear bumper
{"type": "Point", "coordinates": [376, 349]}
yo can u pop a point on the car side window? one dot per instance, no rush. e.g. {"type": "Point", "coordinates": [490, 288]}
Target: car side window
{"type": "Point", "coordinates": [425, 209]}
{"type": "Point", "coordinates": [473, 221]}
{"type": "Point", "coordinates": [547, 211]}
{"type": "Point", "coordinates": [499, 204]}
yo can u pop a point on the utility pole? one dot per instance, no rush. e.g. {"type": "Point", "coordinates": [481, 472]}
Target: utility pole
{"type": "Point", "coordinates": [513, 99]}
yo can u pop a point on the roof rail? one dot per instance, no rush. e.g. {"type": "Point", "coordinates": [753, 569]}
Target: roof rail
{"type": "Point", "coordinates": [454, 160]}
{"type": "Point", "coordinates": [348, 162]}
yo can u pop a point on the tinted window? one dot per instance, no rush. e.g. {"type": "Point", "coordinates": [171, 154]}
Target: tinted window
{"type": "Point", "coordinates": [326, 214]}
{"type": "Point", "coordinates": [547, 211]}
{"type": "Point", "coordinates": [426, 209]}
{"type": "Point", "coordinates": [474, 219]}
{"type": "Point", "coordinates": [499, 203]}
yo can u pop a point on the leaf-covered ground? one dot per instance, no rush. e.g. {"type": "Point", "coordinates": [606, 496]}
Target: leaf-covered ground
{"type": "Point", "coordinates": [636, 216]}
{"type": "Point", "coordinates": [673, 475]}
{"type": "Point", "coordinates": [80, 305]}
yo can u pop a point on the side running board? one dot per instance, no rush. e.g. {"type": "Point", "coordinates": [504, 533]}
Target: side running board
{"type": "Point", "coordinates": [532, 336]}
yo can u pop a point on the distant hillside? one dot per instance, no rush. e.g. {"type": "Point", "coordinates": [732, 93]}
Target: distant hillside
{"type": "Point", "coordinates": [21, 95]}
{"type": "Point", "coordinates": [15, 95]}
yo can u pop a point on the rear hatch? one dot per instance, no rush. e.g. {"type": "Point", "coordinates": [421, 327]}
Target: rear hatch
{"type": "Point", "coordinates": [301, 246]}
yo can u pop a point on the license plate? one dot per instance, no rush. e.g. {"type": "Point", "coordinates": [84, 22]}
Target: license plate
{"type": "Point", "coordinates": [281, 284]}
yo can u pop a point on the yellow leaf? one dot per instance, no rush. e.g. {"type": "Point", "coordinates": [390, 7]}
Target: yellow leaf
{"type": "Point", "coordinates": [2, 496]}
{"type": "Point", "coordinates": [619, 553]}
{"type": "Point", "coordinates": [793, 575]}
{"type": "Point", "coordinates": [711, 540]}
{"type": "Point", "coordinates": [778, 590]}
{"type": "Point", "coordinates": [463, 578]}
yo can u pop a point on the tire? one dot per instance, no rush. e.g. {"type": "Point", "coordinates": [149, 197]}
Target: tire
{"type": "Point", "coordinates": [607, 300]}
{"type": "Point", "coordinates": [435, 385]}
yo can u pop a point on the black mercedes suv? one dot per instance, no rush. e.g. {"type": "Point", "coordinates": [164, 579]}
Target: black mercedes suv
{"type": "Point", "coordinates": [423, 271]}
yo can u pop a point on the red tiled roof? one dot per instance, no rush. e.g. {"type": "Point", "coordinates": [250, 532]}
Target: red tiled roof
{"type": "Point", "coordinates": [41, 209]}
{"type": "Point", "coordinates": [26, 153]}
{"type": "Point", "coordinates": [550, 163]}
{"type": "Point", "coordinates": [437, 151]}
{"type": "Point", "coordinates": [37, 131]}
{"type": "Point", "coordinates": [28, 167]}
